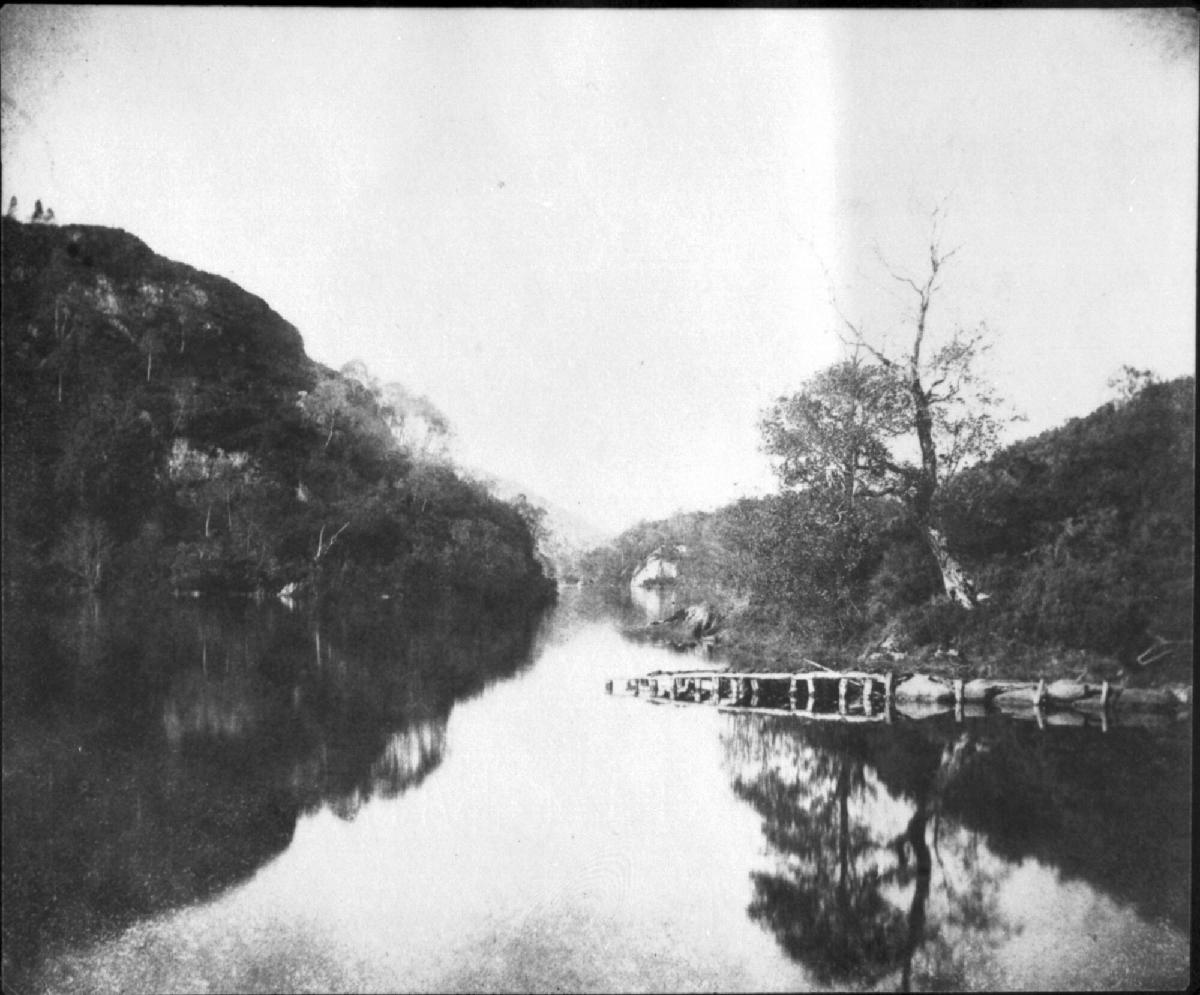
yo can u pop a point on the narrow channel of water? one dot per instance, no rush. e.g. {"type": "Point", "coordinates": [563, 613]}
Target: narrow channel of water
{"type": "Point", "coordinates": [243, 800]}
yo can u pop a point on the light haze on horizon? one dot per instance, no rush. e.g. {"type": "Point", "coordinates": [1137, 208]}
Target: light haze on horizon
{"type": "Point", "coordinates": [603, 241]}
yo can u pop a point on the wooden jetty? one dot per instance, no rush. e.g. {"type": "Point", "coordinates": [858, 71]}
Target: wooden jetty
{"type": "Point", "coordinates": [854, 695]}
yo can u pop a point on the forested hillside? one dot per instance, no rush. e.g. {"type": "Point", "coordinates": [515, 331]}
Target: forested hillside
{"type": "Point", "coordinates": [1079, 539]}
{"type": "Point", "coordinates": [163, 426]}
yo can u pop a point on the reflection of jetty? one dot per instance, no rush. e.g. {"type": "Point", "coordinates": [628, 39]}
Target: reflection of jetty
{"type": "Point", "coordinates": [856, 696]}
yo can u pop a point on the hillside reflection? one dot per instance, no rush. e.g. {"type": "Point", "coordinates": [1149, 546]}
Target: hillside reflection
{"type": "Point", "coordinates": [154, 755]}
{"type": "Point", "coordinates": [893, 845]}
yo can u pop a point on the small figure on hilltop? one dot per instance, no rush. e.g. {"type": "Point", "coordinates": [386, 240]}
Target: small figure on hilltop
{"type": "Point", "coordinates": [12, 207]}
{"type": "Point", "coordinates": [41, 216]}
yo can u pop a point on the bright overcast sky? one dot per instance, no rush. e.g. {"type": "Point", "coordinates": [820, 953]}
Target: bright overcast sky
{"type": "Point", "coordinates": [603, 241]}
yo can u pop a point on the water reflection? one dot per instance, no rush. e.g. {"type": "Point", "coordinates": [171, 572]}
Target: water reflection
{"type": "Point", "coordinates": [657, 602]}
{"type": "Point", "coordinates": [897, 850]}
{"type": "Point", "coordinates": [156, 754]}
{"type": "Point", "coordinates": [388, 834]}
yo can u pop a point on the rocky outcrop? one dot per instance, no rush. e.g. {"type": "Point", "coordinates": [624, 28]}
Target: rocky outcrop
{"type": "Point", "coordinates": [660, 567]}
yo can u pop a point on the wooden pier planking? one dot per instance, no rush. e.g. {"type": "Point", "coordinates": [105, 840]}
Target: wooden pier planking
{"type": "Point", "coordinates": [855, 693]}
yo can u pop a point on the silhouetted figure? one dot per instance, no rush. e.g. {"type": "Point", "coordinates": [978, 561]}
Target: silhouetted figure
{"type": "Point", "coordinates": [37, 211]}
{"type": "Point", "coordinates": [12, 207]}
{"type": "Point", "coordinates": [49, 219]}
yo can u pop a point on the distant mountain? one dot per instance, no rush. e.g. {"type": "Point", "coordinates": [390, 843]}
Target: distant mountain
{"type": "Point", "coordinates": [568, 535]}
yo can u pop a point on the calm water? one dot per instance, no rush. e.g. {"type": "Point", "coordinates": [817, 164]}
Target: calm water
{"type": "Point", "coordinates": [200, 798]}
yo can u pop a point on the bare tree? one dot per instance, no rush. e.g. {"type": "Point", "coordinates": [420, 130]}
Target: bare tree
{"type": "Point", "coordinates": [950, 410]}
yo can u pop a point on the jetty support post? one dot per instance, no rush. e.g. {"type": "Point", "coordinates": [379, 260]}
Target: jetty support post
{"type": "Point", "coordinates": [843, 687]}
{"type": "Point", "coordinates": [753, 691]}
{"type": "Point", "coordinates": [1039, 696]}
{"type": "Point", "coordinates": [810, 684]}
{"type": "Point", "coordinates": [889, 687]}
{"type": "Point", "coordinates": [868, 704]}
{"type": "Point", "coordinates": [793, 693]}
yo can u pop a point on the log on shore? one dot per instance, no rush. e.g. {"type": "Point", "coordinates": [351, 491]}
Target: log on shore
{"type": "Point", "coordinates": [919, 687]}
{"type": "Point", "coordinates": [985, 689]}
{"type": "Point", "coordinates": [1017, 699]}
{"type": "Point", "coordinates": [1144, 700]}
{"type": "Point", "coordinates": [1068, 691]}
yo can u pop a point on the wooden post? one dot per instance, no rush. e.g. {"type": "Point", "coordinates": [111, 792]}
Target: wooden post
{"type": "Point", "coordinates": [889, 686]}
{"type": "Point", "coordinates": [1103, 695]}
{"type": "Point", "coordinates": [637, 687]}
{"type": "Point", "coordinates": [671, 689]}
{"type": "Point", "coordinates": [959, 692]}
{"type": "Point", "coordinates": [1039, 696]}
{"type": "Point", "coordinates": [843, 685]}
{"type": "Point", "coordinates": [868, 704]}
{"type": "Point", "coordinates": [811, 685]}
{"type": "Point", "coordinates": [793, 693]}
{"type": "Point", "coordinates": [753, 691]}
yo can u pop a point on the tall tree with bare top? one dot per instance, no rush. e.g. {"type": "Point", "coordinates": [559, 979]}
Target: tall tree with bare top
{"type": "Point", "coordinates": [894, 420]}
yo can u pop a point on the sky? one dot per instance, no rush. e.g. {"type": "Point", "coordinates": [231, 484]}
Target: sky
{"type": "Point", "coordinates": [604, 241]}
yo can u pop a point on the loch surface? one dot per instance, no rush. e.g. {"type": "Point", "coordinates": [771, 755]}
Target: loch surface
{"type": "Point", "coordinates": [235, 798]}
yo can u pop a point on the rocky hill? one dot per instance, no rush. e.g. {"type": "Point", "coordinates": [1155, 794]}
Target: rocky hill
{"type": "Point", "coordinates": [163, 425]}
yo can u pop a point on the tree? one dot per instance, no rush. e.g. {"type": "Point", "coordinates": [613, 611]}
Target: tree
{"type": "Point", "coordinates": [415, 422]}
{"type": "Point", "coordinates": [207, 479]}
{"type": "Point", "coordinates": [326, 404]}
{"type": "Point", "coordinates": [833, 434]}
{"type": "Point", "coordinates": [1129, 381]}
{"type": "Point", "coordinates": [846, 428]}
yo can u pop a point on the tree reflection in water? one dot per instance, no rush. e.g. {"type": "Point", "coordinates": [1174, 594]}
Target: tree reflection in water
{"type": "Point", "coordinates": [851, 896]}
{"type": "Point", "coordinates": [156, 754]}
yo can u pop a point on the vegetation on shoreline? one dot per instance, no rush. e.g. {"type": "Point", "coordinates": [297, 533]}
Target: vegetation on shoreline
{"type": "Point", "coordinates": [163, 427]}
{"type": "Point", "coordinates": [1080, 541]}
